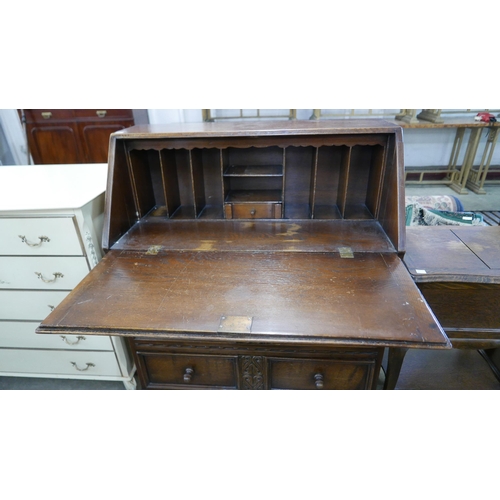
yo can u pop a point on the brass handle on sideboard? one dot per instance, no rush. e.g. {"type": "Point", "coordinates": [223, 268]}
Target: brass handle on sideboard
{"type": "Point", "coordinates": [101, 113]}
{"type": "Point", "coordinates": [318, 381]}
{"type": "Point", "coordinates": [78, 339]}
{"type": "Point", "coordinates": [45, 280]}
{"type": "Point", "coordinates": [41, 238]}
{"type": "Point", "coordinates": [46, 115]}
{"type": "Point", "coordinates": [89, 365]}
{"type": "Point", "coordinates": [188, 375]}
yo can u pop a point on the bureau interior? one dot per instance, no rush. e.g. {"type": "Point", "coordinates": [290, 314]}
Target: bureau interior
{"type": "Point", "coordinates": [330, 182]}
{"type": "Point", "coordinates": [337, 178]}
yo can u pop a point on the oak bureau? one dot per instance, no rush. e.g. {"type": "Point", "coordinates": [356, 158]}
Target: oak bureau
{"type": "Point", "coordinates": [254, 255]}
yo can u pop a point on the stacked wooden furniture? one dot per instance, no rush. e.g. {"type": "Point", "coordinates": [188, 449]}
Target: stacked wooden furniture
{"type": "Point", "coordinates": [254, 255]}
{"type": "Point", "coordinates": [51, 220]}
{"type": "Point", "coordinates": [73, 135]}
{"type": "Point", "coordinates": [457, 270]}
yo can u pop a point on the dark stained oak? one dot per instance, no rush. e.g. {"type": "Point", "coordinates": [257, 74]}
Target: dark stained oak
{"type": "Point", "coordinates": [458, 272]}
{"type": "Point", "coordinates": [320, 297]}
{"type": "Point", "coordinates": [255, 255]}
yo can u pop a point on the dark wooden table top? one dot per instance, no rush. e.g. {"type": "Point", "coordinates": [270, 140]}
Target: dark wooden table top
{"type": "Point", "coordinates": [453, 254]}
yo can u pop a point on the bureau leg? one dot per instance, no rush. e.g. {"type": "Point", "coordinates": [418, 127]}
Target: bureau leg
{"type": "Point", "coordinates": [395, 359]}
{"type": "Point", "coordinates": [489, 356]}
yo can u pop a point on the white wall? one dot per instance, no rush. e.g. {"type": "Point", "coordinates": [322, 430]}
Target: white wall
{"type": "Point", "coordinates": [423, 147]}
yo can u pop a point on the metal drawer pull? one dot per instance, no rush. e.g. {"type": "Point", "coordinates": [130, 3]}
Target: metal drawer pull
{"type": "Point", "coordinates": [253, 211]}
{"type": "Point", "coordinates": [89, 365]}
{"type": "Point", "coordinates": [45, 280]}
{"type": "Point", "coordinates": [78, 339]}
{"type": "Point", "coordinates": [101, 114]}
{"type": "Point", "coordinates": [188, 374]}
{"type": "Point", "coordinates": [46, 115]}
{"type": "Point", "coordinates": [318, 381]}
{"type": "Point", "coordinates": [41, 238]}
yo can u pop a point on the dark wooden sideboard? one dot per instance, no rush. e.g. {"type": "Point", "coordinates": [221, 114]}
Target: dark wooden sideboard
{"type": "Point", "coordinates": [60, 136]}
{"type": "Point", "coordinates": [255, 255]}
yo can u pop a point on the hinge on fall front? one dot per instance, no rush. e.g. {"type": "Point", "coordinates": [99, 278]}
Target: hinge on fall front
{"type": "Point", "coordinates": [346, 253]}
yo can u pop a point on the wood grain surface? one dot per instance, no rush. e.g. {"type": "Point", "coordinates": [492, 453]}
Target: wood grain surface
{"type": "Point", "coordinates": [316, 296]}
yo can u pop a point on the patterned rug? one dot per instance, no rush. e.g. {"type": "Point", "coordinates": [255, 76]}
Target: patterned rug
{"type": "Point", "coordinates": [436, 202]}
{"type": "Point", "coordinates": [417, 215]}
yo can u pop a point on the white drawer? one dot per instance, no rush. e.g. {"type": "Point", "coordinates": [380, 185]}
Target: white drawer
{"type": "Point", "coordinates": [22, 334]}
{"type": "Point", "coordinates": [61, 234]}
{"type": "Point", "coordinates": [87, 364]}
{"type": "Point", "coordinates": [42, 273]}
{"type": "Point", "coordinates": [28, 305]}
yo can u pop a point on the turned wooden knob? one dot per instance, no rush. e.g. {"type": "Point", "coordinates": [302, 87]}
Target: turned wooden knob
{"type": "Point", "coordinates": [318, 381]}
{"type": "Point", "coordinates": [188, 374]}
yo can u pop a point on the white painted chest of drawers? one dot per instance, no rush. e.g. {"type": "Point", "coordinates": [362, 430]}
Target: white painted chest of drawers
{"type": "Point", "coordinates": [50, 232]}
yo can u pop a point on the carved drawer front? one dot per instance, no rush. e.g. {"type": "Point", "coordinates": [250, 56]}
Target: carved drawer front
{"type": "Point", "coordinates": [28, 305]}
{"type": "Point", "coordinates": [39, 236]}
{"type": "Point", "coordinates": [253, 211]}
{"type": "Point", "coordinates": [42, 273]}
{"type": "Point", "coordinates": [184, 371]}
{"type": "Point", "coordinates": [78, 363]}
{"type": "Point", "coordinates": [21, 334]}
{"type": "Point", "coordinates": [320, 374]}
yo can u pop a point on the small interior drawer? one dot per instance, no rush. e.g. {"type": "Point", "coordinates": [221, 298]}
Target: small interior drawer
{"type": "Point", "coordinates": [320, 374]}
{"type": "Point", "coordinates": [253, 211]}
{"type": "Point", "coordinates": [39, 236]}
{"type": "Point", "coordinates": [189, 371]}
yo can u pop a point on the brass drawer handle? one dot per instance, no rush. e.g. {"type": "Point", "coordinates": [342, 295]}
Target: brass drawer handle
{"type": "Point", "coordinates": [46, 115]}
{"type": "Point", "coordinates": [78, 339]}
{"type": "Point", "coordinates": [318, 381]}
{"type": "Point", "coordinates": [89, 365]}
{"type": "Point", "coordinates": [188, 375]}
{"type": "Point", "coordinates": [45, 280]}
{"type": "Point", "coordinates": [101, 113]}
{"type": "Point", "coordinates": [41, 238]}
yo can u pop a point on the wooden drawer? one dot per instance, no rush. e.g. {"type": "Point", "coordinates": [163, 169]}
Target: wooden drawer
{"type": "Point", "coordinates": [77, 363]}
{"type": "Point", "coordinates": [185, 371]}
{"type": "Point", "coordinates": [22, 334]}
{"type": "Point", "coordinates": [42, 273]}
{"type": "Point", "coordinates": [320, 374]}
{"type": "Point", "coordinates": [253, 211]}
{"type": "Point", "coordinates": [28, 305]}
{"type": "Point", "coordinates": [101, 113]}
{"type": "Point", "coordinates": [39, 236]}
{"type": "Point", "coordinates": [48, 115]}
